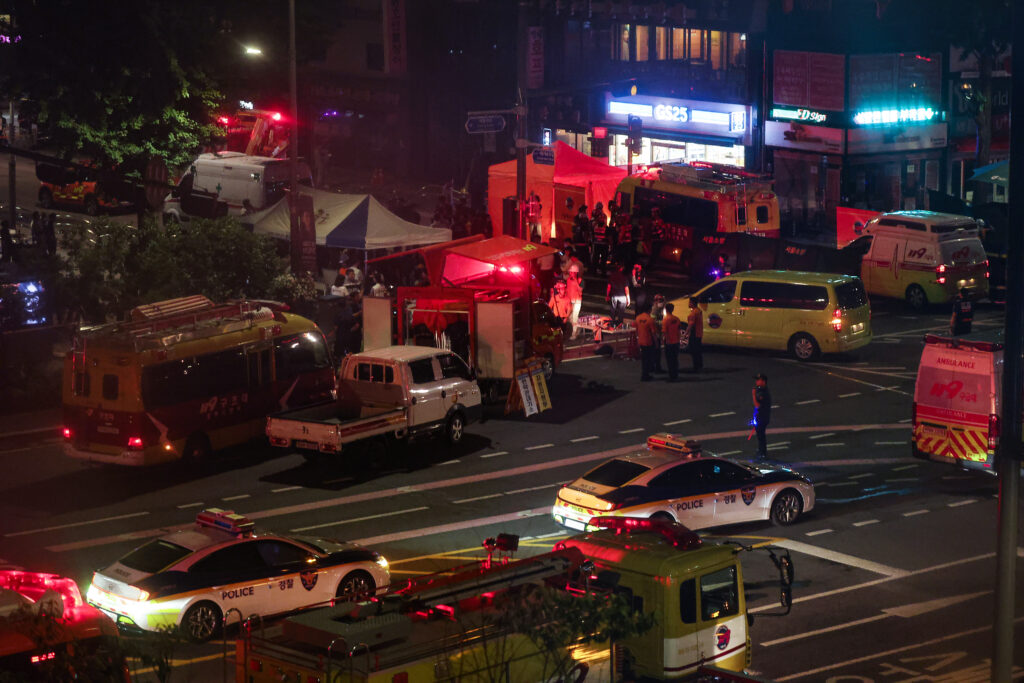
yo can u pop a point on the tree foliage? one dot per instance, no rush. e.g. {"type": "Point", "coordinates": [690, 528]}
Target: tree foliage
{"type": "Point", "coordinates": [111, 268]}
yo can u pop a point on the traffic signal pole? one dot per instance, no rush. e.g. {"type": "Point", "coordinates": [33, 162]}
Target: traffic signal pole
{"type": "Point", "coordinates": [521, 139]}
{"type": "Point", "coordinates": [1008, 453]}
{"type": "Point", "coordinates": [12, 196]}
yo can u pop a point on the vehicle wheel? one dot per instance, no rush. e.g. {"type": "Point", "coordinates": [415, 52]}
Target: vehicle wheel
{"type": "Point", "coordinates": [662, 517]}
{"type": "Point", "coordinates": [354, 586]}
{"type": "Point", "coordinates": [92, 206]}
{"type": "Point", "coordinates": [197, 447]}
{"type": "Point", "coordinates": [803, 347]}
{"type": "Point", "coordinates": [916, 298]}
{"type": "Point", "coordinates": [456, 428]}
{"type": "Point", "coordinates": [201, 622]}
{"type": "Point", "coordinates": [786, 508]}
{"type": "Point", "coordinates": [548, 364]}
{"type": "Point", "coordinates": [45, 198]}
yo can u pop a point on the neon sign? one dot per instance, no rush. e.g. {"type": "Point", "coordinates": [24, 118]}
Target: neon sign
{"type": "Point", "coordinates": [799, 115]}
{"type": "Point", "coordinates": [735, 121]}
{"type": "Point", "coordinates": [890, 116]}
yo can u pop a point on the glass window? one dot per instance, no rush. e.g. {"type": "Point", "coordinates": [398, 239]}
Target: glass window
{"type": "Point", "coordinates": [422, 370]}
{"type": "Point", "coordinates": [783, 295]}
{"type": "Point", "coordinates": [762, 214]}
{"type": "Point", "coordinates": [695, 51]}
{"type": "Point", "coordinates": [643, 42]}
{"type": "Point", "coordinates": [723, 473]}
{"type": "Point", "coordinates": [377, 373]}
{"type": "Point", "coordinates": [850, 295]}
{"type": "Point", "coordinates": [453, 367]}
{"type": "Point", "coordinates": [300, 353]}
{"type": "Point", "coordinates": [719, 293]}
{"type": "Point", "coordinates": [154, 556]}
{"type": "Point", "coordinates": [624, 31]}
{"type": "Point", "coordinates": [688, 601]}
{"type": "Point", "coordinates": [741, 215]}
{"type": "Point", "coordinates": [719, 595]}
{"type": "Point", "coordinates": [661, 42]}
{"type": "Point", "coordinates": [243, 556]}
{"type": "Point", "coordinates": [110, 387]}
{"type": "Point", "coordinates": [281, 553]}
{"type": "Point", "coordinates": [737, 49]}
{"type": "Point", "coordinates": [680, 476]}
{"type": "Point", "coordinates": [715, 49]}
{"type": "Point", "coordinates": [615, 473]}
{"type": "Point", "coordinates": [679, 43]}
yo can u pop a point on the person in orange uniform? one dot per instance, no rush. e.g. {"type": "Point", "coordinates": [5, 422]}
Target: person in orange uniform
{"type": "Point", "coordinates": [645, 331]}
{"type": "Point", "coordinates": [670, 325]}
{"type": "Point", "coordinates": [560, 304]}
{"type": "Point", "coordinates": [574, 290]}
{"type": "Point", "coordinates": [695, 335]}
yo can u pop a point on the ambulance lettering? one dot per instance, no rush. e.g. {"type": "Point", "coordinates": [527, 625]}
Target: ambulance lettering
{"type": "Point", "coordinates": [690, 504]}
{"type": "Point", "coordinates": [917, 253]}
{"type": "Point", "coordinates": [236, 593]}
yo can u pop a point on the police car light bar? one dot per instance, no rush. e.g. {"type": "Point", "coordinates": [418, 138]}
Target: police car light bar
{"type": "Point", "coordinates": [225, 520]}
{"type": "Point", "coordinates": [675, 443]}
{"type": "Point", "coordinates": [680, 536]}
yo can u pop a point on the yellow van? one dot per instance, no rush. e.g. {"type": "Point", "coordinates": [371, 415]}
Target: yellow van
{"type": "Point", "coordinates": [924, 257]}
{"type": "Point", "coordinates": [805, 314]}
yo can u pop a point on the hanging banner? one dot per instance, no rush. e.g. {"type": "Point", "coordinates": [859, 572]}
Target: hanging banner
{"type": "Point", "coordinates": [540, 387]}
{"type": "Point", "coordinates": [303, 233]}
{"type": "Point", "coordinates": [526, 392]}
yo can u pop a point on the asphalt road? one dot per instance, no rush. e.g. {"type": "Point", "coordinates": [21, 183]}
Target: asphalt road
{"type": "Point", "coordinates": [894, 567]}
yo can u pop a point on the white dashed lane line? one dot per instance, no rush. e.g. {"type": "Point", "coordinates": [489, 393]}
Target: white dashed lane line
{"type": "Point", "coordinates": [77, 524]}
{"type": "Point", "coordinates": [631, 431]}
{"type": "Point", "coordinates": [471, 500]}
{"type": "Point", "coordinates": [904, 420]}
{"type": "Point", "coordinates": [899, 480]}
{"type": "Point", "coordinates": [904, 467]}
{"type": "Point", "coordinates": [495, 454]}
{"type": "Point", "coordinates": [821, 436]}
{"type": "Point", "coordinates": [915, 513]}
{"type": "Point", "coordinates": [830, 445]}
{"type": "Point", "coordinates": [539, 446]}
{"type": "Point", "coordinates": [286, 488]}
{"type": "Point", "coordinates": [866, 522]}
{"type": "Point", "coordinates": [189, 505]}
{"type": "Point", "coordinates": [849, 395]}
{"type": "Point", "coordinates": [819, 532]}
{"type": "Point", "coordinates": [532, 488]}
{"type": "Point", "coordinates": [358, 519]}
{"type": "Point", "coordinates": [890, 443]}
{"type": "Point", "coordinates": [449, 462]}
{"type": "Point", "coordinates": [676, 422]}
{"type": "Point", "coordinates": [583, 438]}
{"type": "Point", "coordinates": [238, 497]}
{"type": "Point", "coordinates": [725, 414]}
{"type": "Point", "coordinates": [862, 476]}
{"type": "Point", "coordinates": [959, 503]}
{"type": "Point", "coordinates": [808, 402]}
{"type": "Point", "coordinates": [730, 453]}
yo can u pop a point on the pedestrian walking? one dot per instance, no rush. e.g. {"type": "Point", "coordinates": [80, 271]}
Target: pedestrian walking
{"type": "Point", "coordinates": [695, 334]}
{"type": "Point", "coordinates": [762, 412]}
{"type": "Point", "coordinates": [645, 331]}
{"type": "Point", "coordinates": [670, 326]}
{"type": "Point", "coordinates": [617, 295]}
{"type": "Point", "coordinates": [50, 234]}
{"type": "Point", "coordinates": [963, 314]}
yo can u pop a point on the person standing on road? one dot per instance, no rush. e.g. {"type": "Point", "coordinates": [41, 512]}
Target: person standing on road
{"type": "Point", "coordinates": [670, 325]}
{"type": "Point", "coordinates": [574, 290]}
{"type": "Point", "coordinates": [645, 332]}
{"type": "Point", "coordinates": [617, 295]}
{"type": "Point", "coordinates": [762, 412]}
{"type": "Point", "coordinates": [560, 305]}
{"type": "Point", "coordinates": [37, 230]}
{"type": "Point", "coordinates": [695, 334]}
{"type": "Point", "coordinates": [963, 314]}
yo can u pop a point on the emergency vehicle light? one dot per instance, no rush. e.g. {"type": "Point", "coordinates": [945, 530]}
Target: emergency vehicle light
{"type": "Point", "coordinates": [679, 535]}
{"type": "Point", "coordinates": [674, 442]}
{"type": "Point", "coordinates": [32, 585]}
{"type": "Point", "coordinates": [225, 520]}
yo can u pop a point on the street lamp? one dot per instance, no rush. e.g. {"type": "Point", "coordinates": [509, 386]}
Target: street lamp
{"type": "Point", "coordinates": [252, 50]}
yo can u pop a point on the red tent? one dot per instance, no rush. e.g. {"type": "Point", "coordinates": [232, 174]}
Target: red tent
{"type": "Point", "coordinates": [574, 175]}
{"type": "Point", "coordinates": [504, 258]}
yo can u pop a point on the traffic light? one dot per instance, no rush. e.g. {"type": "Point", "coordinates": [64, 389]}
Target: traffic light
{"type": "Point", "coordinates": [635, 140]}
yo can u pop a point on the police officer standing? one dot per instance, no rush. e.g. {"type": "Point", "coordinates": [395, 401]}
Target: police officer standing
{"type": "Point", "coordinates": [762, 412]}
{"type": "Point", "coordinates": [963, 314]}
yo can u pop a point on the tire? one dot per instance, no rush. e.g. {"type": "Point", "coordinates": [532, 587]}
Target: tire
{"type": "Point", "coordinates": [917, 300]}
{"type": "Point", "coordinates": [455, 429]}
{"type": "Point", "coordinates": [662, 517]}
{"type": "Point", "coordinates": [92, 206]}
{"type": "Point", "coordinates": [355, 585]}
{"type": "Point", "coordinates": [786, 507]}
{"type": "Point", "coordinates": [197, 448]}
{"type": "Point", "coordinates": [548, 364]}
{"type": "Point", "coordinates": [803, 347]}
{"type": "Point", "coordinates": [201, 622]}
{"type": "Point", "coordinates": [45, 198]}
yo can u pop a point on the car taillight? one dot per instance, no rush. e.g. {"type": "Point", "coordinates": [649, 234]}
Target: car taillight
{"type": "Point", "coordinates": [135, 443]}
{"type": "Point", "coordinates": [939, 274]}
{"type": "Point", "coordinates": [993, 431]}
{"type": "Point", "coordinates": [67, 432]}
{"type": "Point", "coordinates": [837, 320]}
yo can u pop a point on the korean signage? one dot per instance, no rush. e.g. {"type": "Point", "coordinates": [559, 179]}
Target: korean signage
{"type": "Point", "coordinates": [535, 57]}
{"type": "Point", "coordinates": [394, 36]}
{"type": "Point", "coordinates": [797, 135]}
{"type": "Point", "coordinates": [809, 80]}
{"type": "Point", "coordinates": [685, 116]}
{"type": "Point", "coordinates": [896, 138]}
{"type": "Point", "coordinates": [895, 81]}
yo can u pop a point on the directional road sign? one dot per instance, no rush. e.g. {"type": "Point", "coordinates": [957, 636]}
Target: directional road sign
{"type": "Point", "coordinates": [488, 123]}
{"type": "Point", "coordinates": [544, 155]}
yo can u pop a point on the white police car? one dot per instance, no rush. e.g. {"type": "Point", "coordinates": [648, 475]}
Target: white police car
{"type": "Point", "coordinates": [672, 479]}
{"type": "Point", "coordinates": [220, 571]}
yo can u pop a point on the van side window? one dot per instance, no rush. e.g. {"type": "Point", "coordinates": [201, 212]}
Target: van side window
{"type": "Point", "coordinates": [741, 215]}
{"type": "Point", "coordinates": [719, 293]}
{"type": "Point", "coordinates": [762, 214]}
{"type": "Point", "coordinates": [422, 370]}
{"type": "Point", "coordinates": [110, 386]}
{"type": "Point", "coordinates": [453, 367]}
{"type": "Point", "coordinates": [688, 601]}
{"type": "Point", "coordinates": [783, 295]}
{"type": "Point", "coordinates": [375, 372]}
{"type": "Point", "coordinates": [719, 596]}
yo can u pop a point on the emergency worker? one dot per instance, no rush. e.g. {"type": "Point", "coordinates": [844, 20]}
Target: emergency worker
{"type": "Point", "coordinates": [617, 295]}
{"type": "Point", "coordinates": [670, 325]}
{"type": "Point", "coordinates": [762, 398]}
{"type": "Point", "coordinates": [695, 334]}
{"type": "Point", "coordinates": [645, 332]}
{"type": "Point", "coordinates": [963, 314]}
{"type": "Point", "coordinates": [561, 305]}
{"type": "Point", "coordinates": [574, 290]}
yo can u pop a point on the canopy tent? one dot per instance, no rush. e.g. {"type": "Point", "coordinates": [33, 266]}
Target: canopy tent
{"type": "Point", "coordinates": [502, 254]}
{"type": "Point", "coordinates": [349, 221]}
{"type": "Point", "coordinates": [574, 175]}
{"type": "Point", "coordinates": [997, 174]}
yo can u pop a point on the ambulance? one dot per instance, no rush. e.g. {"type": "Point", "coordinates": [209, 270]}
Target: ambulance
{"type": "Point", "coordinates": [924, 257]}
{"type": "Point", "coordinates": [956, 400]}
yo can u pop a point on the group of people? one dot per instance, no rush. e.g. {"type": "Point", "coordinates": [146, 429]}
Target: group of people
{"type": "Point", "coordinates": [567, 293]}
{"type": "Point", "coordinates": [668, 332]}
{"type": "Point", "coordinates": [44, 236]}
{"type": "Point", "coordinates": [618, 237]}
{"type": "Point", "coordinates": [458, 217]}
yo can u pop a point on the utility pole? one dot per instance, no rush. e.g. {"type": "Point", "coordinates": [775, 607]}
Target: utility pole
{"type": "Point", "coordinates": [12, 196]}
{"type": "Point", "coordinates": [521, 141]}
{"type": "Point", "coordinates": [1008, 453]}
{"type": "Point", "coordinates": [293, 141]}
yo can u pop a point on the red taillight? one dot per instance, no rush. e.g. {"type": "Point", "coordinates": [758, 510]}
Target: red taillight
{"type": "Point", "coordinates": [941, 280]}
{"type": "Point", "coordinates": [941, 268]}
{"type": "Point", "coordinates": [837, 320]}
{"type": "Point", "coordinates": [135, 443]}
{"type": "Point", "coordinates": [993, 431]}
{"type": "Point", "coordinates": [223, 120]}
{"type": "Point", "coordinates": [67, 432]}
{"type": "Point", "coordinates": [276, 116]}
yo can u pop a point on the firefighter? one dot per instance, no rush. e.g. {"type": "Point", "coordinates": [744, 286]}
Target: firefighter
{"type": "Point", "coordinates": [599, 239]}
{"type": "Point", "coordinates": [695, 335]}
{"type": "Point", "coordinates": [645, 333]}
{"type": "Point", "coordinates": [963, 314]}
{"type": "Point", "coordinates": [561, 305]}
{"type": "Point", "coordinates": [574, 290]}
{"type": "Point", "coordinates": [670, 325]}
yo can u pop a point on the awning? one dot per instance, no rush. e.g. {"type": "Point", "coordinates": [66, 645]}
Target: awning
{"type": "Point", "coordinates": [503, 254]}
{"type": "Point", "coordinates": [997, 174]}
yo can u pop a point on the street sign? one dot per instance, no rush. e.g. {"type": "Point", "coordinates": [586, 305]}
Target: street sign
{"type": "Point", "coordinates": [544, 155]}
{"type": "Point", "coordinates": [489, 123]}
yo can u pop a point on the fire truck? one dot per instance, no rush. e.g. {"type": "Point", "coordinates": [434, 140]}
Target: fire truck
{"type": "Point", "coordinates": [448, 626]}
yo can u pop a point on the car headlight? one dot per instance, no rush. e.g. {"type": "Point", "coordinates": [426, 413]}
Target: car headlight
{"type": "Point", "coordinates": [382, 562]}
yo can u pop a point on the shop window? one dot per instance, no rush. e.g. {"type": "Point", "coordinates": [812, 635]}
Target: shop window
{"type": "Point", "coordinates": [696, 48]}
{"type": "Point", "coordinates": [715, 49]}
{"type": "Point", "coordinates": [661, 43]}
{"type": "Point", "coordinates": [679, 43]}
{"type": "Point", "coordinates": [643, 42]}
{"type": "Point", "coordinates": [623, 43]}
{"type": "Point", "coordinates": [737, 49]}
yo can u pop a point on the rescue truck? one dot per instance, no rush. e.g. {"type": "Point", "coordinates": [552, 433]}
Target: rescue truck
{"type": "Point", "coordinates": [447, 626]}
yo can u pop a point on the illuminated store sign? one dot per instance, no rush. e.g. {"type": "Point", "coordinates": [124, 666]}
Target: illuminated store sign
{"type": "Point", "coordinates": [882, 117]}
{"type": "Point", "coordinates": [667, 113]}
{"type": "Point", "coordinates": [799, 115]}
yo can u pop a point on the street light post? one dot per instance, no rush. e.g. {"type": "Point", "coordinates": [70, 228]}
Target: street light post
{"type": "Point", "coordinates": [293, 141]}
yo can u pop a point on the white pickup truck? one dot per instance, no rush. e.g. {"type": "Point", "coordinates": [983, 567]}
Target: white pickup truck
{"type": "Point", "coordinates": [398, 391]}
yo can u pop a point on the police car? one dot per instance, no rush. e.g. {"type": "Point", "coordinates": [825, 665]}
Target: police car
{"type": "Point", "coordinates": [673, 479]}
{"type": "Point", "coordinates": [196, 577]}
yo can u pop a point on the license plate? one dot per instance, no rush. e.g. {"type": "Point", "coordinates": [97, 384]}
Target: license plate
{"type": "Point", "coordinates": [311, 445]}
{"type": "Point", "coordinates": [573, 524]}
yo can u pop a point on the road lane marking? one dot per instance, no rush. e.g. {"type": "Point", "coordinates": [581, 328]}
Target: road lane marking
{"type": "Point", "coordinates": [821, 436]}
{"type": "Point", "coordinates": [538, 447]}
{"type": "Point", "coordinates": [808, 402]}
{"type": "Point", "coordinates": [891, 443]}
{"type": "Point", "coordinates": [819, 532]}
{"type": "Point", "coordinates": [455, 526]}
{"type": "Point", "coordinates": [959, 503]}
{"type": "Point", "coordinates": [470, 500]}
{"type": "Point", "coordinates": [915, 513]}
{"type": "Point", "coordinates": [630, 431]}
{"type": "Point", "coordinates": [475, 479]}
{"type": "Point", "coordinates": [730, 453]}
{"type": "Point", "coordinates": [842, 558]}
{"type": "Point", "coordinates": [838, 483]}
{"type": "Point", "coordinates": [449, 462]}
{"type": "Point", "coordinates": [677, 422]}
{"type": "Point", "coordinates": [830, 444]}
{"type": "Point", "coordinates": [238, 497]}
{"type": "Point", "coordinates": [778, 447]}
{"type": "Point", "coordinates": [286, 488]}
{"type": "Point", "coordinates": [189, 505]}
{"type": "Point", "coordinates": [849, 395]}
{"type": "Point", "coordinates": [866, 522]}
{"type": "Point", "coordinates": [532, 488]}
{"type": "Point", "coordinates": [494, 454]}
{"type": "Point", "coordinates": [862, 476]}
{"type": "Point", "coordinates": [905, 467]}
{"type": "Point", "coordinates": [72, 525]}
{"type": "Point", "coordinates": [906, 419]}
{"type": "Point", "coordinates": [725, 414]}
{"type": "Point", "coordinates": [359, 519]}
{"type": "Point", "coordinates": [584, 438]}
